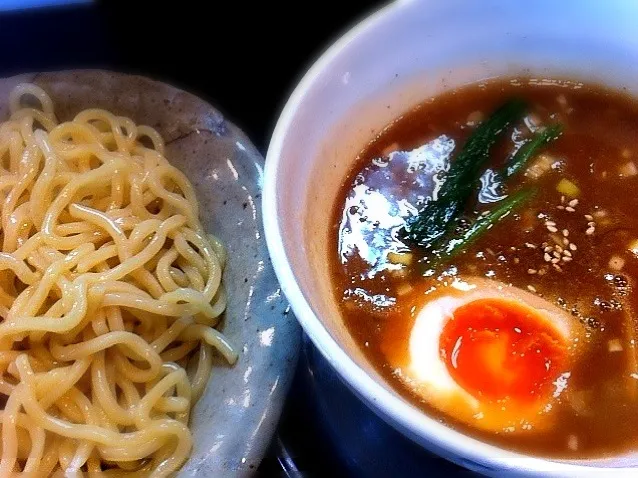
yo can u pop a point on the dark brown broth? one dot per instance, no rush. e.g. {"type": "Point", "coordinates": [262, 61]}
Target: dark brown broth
{"type": "Point", "coordinates": [600, 137]}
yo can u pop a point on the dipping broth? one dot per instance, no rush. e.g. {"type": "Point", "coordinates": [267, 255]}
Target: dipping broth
{"type": "Point", "coordinates": [523, 336]}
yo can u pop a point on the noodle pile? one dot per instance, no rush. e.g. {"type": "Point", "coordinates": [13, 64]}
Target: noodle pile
{"type": "Point", "coordinates": [109, 291]}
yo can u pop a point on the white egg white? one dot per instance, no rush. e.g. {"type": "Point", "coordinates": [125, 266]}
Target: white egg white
{"type": "Point", "coordinates": [423, 369]}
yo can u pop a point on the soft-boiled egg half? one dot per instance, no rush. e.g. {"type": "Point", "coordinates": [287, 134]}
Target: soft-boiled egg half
{"type": "Point", "coordinates": [489, 354]}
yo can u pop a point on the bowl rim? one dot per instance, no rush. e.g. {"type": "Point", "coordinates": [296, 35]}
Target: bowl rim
{"type": "Point", "coordinates": [412, 422]}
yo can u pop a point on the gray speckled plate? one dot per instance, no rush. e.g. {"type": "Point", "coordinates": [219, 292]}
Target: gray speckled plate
{"type": "Point", "coordinates": [233, 422]}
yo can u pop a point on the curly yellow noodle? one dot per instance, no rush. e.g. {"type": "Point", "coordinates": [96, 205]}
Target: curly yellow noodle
{"type": "Point", "coordinates": [109, 287]}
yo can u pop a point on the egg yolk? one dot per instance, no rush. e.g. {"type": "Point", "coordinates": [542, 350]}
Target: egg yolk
{"type": "Point", "coordinates": [498, 349]}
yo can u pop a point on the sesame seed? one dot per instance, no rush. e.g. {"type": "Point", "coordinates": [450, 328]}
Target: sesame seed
{"type": "Point", "coordinates": [573, 247]}
{"type": "Point", "coordinates": [559, 249]}
{"type": "Point", "coordinates": [589, 217]}
{"type": "Point", "coordinates": [572, 442]}
{"type": "Point", "coordinates": [567, 253]}
{"type": "Point", "coordinates": [557, 267]}
{"type": "Point", "coordinates": [556, 254]}
{"type": "Point", "coordinates": [566, 259]}
{"type": "Point", "coordinates": [529, 245]}
{"type": "Point", "coordinates": [565, 241]}
{"type": "Point", "coordinates": [555, 260]}
{"type": "Point", "coordinates": [560, 207]}
{"type": "Point", "coordinates": [570, 209]}
{"type": "Point", "coordinates": [552, 229]}
{"type": "Point", "coordinates": [531, 288]}
{"type": "Point", "coordinates": [547, 249]}
{"type": "Point", "coordinates": [562, 199]}
{"type": "Point", "coordinates": [573, 202]}
{"type": "Point", "coordinates": [547, 257]}
{"type": "Point", "coordinates": [590, 230]}
{"type": "Point", "coordinates": [565, 232]}
{"type": "Point", "coordinates": [591, 223]}
{"type": "Point", "coordinates": [550, 223]}
{"type": "Point", "coordinates": [531, 271]}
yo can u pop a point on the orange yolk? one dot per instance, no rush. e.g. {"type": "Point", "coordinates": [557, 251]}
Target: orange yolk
{"type": "Point", "coordinates": [497, 349]}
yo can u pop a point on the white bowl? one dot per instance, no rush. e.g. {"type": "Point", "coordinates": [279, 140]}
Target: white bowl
{"type": "Point", "coordinates": [391, 61]}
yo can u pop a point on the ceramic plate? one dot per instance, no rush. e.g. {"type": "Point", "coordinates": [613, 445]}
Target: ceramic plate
{"type": "Point", "coordinates": [234, 420]}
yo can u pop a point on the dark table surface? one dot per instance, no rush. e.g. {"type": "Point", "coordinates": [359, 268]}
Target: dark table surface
{"type": "Point", "coordinates": [245, 58]}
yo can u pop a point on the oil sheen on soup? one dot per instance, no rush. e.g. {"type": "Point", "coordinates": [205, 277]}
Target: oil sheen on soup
{"type": "Point", "coordinates": [485, 254]}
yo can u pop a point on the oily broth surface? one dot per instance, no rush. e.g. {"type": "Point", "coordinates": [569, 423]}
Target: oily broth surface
{"type": "Point", "coordinates": [596, 150]}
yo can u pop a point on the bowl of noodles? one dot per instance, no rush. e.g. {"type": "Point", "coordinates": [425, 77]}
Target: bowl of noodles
{"type": "Point", "coordinates": [142, 332]}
